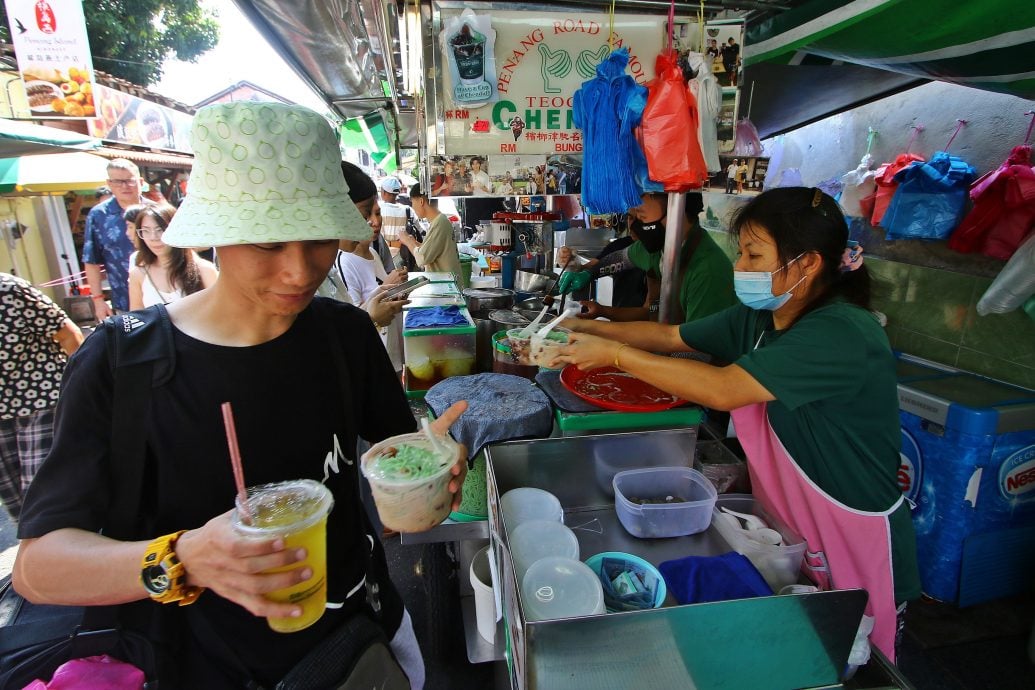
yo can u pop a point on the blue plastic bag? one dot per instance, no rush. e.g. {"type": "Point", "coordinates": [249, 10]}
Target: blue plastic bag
{"type": "Point", "coordinates": [930, 199]}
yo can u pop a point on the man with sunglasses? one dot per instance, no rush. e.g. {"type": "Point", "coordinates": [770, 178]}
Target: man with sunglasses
{"type": "Point", "coordinates": [105, 241]}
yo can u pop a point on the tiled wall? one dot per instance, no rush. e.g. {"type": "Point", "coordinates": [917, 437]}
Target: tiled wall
{"type": "Point", "coordinates": [931, 314]}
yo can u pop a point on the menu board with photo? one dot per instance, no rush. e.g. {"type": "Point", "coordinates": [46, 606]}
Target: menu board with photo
{"type": "Point", "coordinates": [130, 120]}
{"type": "Point", "coordinates": [541, 60]}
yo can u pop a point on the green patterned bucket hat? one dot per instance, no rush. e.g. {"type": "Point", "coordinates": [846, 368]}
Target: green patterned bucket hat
{"type": "Point", "coordinates": [264, 172]}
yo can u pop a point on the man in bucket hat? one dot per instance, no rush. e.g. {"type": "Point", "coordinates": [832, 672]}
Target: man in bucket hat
{"type": "Point", "coordinates": [268, 191]}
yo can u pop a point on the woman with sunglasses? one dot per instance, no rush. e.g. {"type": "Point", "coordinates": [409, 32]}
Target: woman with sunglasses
{"type": "Point", "coordinates": [812, 389]}
{"type": "Point", "coordinates": [160, 274]}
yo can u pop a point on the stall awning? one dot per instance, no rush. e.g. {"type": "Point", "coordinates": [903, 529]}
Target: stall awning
{"type": "Point", "coordinates": [149, 159]}
{"type": "Point", "coordinates": [53, 174]}
{"type": "Point", "coordinates": [988, 45]}
{"type": "Point", "coordinates": [24, 139]}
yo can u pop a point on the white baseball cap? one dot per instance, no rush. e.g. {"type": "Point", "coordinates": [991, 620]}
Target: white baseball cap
{"type": "Point", "coordinates": [391, 185]}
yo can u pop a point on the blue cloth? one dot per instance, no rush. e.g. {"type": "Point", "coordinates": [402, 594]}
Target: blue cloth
{"type": "Point", "coordinates": [435, 317]}
{"type": "Point", "coordinates": [105, 243]}
{"type": "Point", "coordinates": [607, 109]}
{"type": "Point", "coordinates": [500, 407]}
{"type": "Point", "coordinates": [930, 198]}
{"type": "Point", "coordinates": [698, 579]}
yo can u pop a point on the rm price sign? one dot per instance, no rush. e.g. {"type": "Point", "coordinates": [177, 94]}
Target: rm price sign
{"type": "Point", "coordinates": [540, 62]}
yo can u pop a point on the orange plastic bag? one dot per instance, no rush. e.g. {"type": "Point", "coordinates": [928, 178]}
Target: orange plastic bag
{"type": "Point", "coordinates": [668, 130]}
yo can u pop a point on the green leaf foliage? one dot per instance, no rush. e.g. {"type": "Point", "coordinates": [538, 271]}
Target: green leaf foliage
{"type": "Point", "coordinates": [132, 38]}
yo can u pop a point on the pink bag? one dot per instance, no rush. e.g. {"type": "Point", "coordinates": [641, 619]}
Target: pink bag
{"type": "Point", "coordinates": [93, 673]}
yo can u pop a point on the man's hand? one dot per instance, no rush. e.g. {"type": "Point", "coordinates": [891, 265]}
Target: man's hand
{"type": "Point", "coordinates": [591, 310]}
{"type": "Point", "coordinates": [383, 310]}
{"type": "Point", "coordinates": [441, 426]}
{"type": "Point", "coordinates": [233, 566]}
{"type": "Point", "coordinates": [101, 309]}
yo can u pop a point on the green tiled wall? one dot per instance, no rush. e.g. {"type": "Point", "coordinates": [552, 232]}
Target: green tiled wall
{"type": "Point", "coordinates": [931, 314]}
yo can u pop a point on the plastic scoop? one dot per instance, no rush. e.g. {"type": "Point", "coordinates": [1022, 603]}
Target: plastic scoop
{"type": "Point", "coordinates": [435, 443]}
{"type": "Point", "coordinates": [549, 327]}
{"type": "Point", "coordinates": [765, 535]}
{"type": "Point", "coordinates": [527, 331]}
{"type": "Point", "coordinates": [753, 522]}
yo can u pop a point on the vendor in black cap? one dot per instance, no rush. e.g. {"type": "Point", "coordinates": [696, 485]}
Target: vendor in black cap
{"type": "Point", "coordinates": [438, 251]}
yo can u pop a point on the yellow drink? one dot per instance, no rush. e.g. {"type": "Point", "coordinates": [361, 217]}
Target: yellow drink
{"type": "Point", "coordinates": [296, 511]}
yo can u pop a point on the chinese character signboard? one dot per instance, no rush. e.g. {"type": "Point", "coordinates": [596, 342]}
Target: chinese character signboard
{"type": "Point", "coordinates": [53, 54]}
{"type": "Point", "coordinates": [131, 120]}
{"type": "Point", "coordinates": [540, 60]}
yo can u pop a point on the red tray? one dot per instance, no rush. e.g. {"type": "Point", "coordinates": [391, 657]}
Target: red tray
{"type": "Point", "coordinates": [616, 390]}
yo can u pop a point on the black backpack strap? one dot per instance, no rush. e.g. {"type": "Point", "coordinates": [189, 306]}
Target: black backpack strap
{"type": "Point", "coordinates": [142, 357]}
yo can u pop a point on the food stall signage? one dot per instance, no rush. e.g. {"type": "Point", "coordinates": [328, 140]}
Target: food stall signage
{"type": "Point", "coordinates": [53, 52]}
{"type": "Point", "coordinates": [540, 62]}
{"type": "Point", "coordinates": [126, 119]}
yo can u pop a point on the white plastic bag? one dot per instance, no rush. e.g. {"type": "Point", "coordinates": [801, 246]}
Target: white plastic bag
{"type": "Point", "coordinates": [1014, 284]}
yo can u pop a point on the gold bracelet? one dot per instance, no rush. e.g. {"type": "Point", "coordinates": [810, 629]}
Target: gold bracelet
{"type": "Point", "coordinates": [617, 352]}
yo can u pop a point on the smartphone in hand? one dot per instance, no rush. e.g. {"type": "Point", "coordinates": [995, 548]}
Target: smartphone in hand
{"type": "Point", "coordinates": [406, 288]}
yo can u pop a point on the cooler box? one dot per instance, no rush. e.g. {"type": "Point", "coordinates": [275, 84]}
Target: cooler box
{"type": "Point", "coordinates": [968, 466]}
{"type": "Point", "coordinates": [436, 353]}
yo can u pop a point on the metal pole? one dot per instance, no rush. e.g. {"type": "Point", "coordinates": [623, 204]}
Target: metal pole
{"type": "Point", "coordinates": [669, 311]}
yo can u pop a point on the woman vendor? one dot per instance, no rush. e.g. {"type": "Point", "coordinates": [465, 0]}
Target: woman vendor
{"type": "Point", "coordinates": [811, 387]}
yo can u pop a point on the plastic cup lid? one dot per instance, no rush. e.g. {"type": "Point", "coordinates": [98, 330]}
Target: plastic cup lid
{"type": "Point", "coordinates": [527, 503]}
{"type": "Point", "coordinates": [558, 587]}
{"type": "Point", "coordinates": [536, 539]}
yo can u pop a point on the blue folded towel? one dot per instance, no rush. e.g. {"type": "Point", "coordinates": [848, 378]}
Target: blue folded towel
{"type": "Point", "coordinates": [435, 317]}
{"type": "Point", "coordinates": [697, 579]}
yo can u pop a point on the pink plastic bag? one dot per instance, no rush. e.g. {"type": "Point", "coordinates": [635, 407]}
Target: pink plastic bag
{"type": "Point", "coordinates": [93, 673]}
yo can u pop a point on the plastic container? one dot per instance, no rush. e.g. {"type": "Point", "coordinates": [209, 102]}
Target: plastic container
{"type": "Point", "coordinates": [779, 565]}
{"type": "Point", "coordinates": [503, 361]}
{"type": "Point", "coordinates": [484, 599]}
{"type": "Point", "coordinates": [522, 350]}
{"type": "Point", "coordinates": [537, 539]}
{"type": "Point", "coordinates": [434, 354]}
{"type": "Point", "coordinates": [525, 503]}
{"type": "Point", "coordinates": [411, 503]}
{"type": "Point", "coordinates": [557, 587]}
{"type": "Point", "coordinates": [543, 350]}
{"type": "Point", "coordinates": [663, 519]}
{"type": "Point", "coordinates": [596, 561]}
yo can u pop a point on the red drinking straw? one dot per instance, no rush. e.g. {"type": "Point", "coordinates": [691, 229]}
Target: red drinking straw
{"type": "Point", "coordinates": [235, 462]}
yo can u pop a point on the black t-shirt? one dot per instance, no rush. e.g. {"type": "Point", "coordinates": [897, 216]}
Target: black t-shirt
{"type": "Point", "coordinates": [289, 415]}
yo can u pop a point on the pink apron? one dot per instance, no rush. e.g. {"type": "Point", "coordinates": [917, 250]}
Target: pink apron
{"type": "Point", "coordinates": [847, 548]}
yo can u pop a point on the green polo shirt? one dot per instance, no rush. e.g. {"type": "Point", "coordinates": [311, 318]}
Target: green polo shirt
{"type": "Point", "coordinates": [707, 280]}
{"type": "Point", "coordinates": [836, 407]}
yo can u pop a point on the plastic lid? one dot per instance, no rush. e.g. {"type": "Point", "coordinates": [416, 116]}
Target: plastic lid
{"type": "Point", "coordinates": [526, 503]}
{"type": "Point", "coordinates": [536, 539]}
{"type": "Point", "coordinates": [558, 587]}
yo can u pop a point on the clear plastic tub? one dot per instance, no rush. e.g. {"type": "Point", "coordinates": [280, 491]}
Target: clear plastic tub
{"type": "Point", "coordinates": [645, 506]}
{"type": "Point", "coordinates": [779, 565]}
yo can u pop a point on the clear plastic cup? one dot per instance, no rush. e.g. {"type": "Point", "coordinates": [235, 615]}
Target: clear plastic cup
{"type": "Point", "coordinates": [520, 346]}
{"type": "Point", "coordinates": [409, 480]}
{"type": "Point", "coordinates": [543, 350]}
{"type": "Point", "coordinates": [296, 511]}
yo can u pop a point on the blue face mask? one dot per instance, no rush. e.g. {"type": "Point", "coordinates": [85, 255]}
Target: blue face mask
{"type": "Point", "coordinates": [755, 288]}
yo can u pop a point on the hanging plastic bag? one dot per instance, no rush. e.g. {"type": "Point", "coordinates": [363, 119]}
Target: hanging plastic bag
{"type": "Point", "coordinates": [886, 185]}
{"type": "Point", "coordinates": [930, 198]}
{"type": "Point", "coordinates": [1014, 284]}
{"type": "Point", "coordinates": [858, 184]}
{"type": "Point", "coordinates": [1004, 209]}
{"type": "Point", "coordinates": [607, 109]}
{"type": "Point", "coordinates": [673, 153]}
{"type": "Point", "coordinates": [747, 142]}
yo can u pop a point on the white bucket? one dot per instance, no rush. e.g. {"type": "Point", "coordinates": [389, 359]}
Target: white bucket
{"type": "Point", "coordinates": [484, 601]}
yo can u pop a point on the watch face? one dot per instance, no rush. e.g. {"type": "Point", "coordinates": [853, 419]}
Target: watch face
{"type": "Point", "coordinates": [155, 579]}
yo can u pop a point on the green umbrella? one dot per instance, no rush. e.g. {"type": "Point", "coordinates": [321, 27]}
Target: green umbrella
{"type": "Point", "coordinates": [53, 174]}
